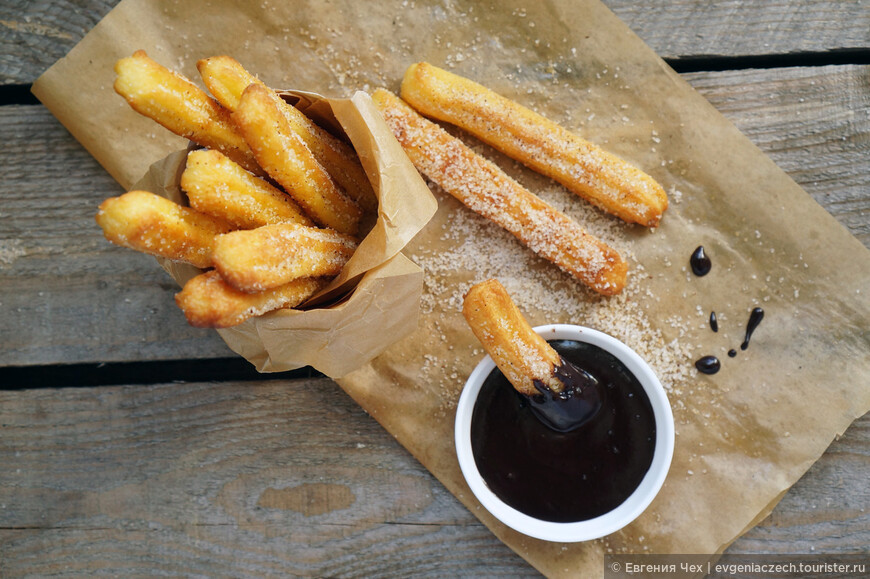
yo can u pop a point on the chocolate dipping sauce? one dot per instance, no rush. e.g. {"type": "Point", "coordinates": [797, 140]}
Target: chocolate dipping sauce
{"type": "Point", "coordinates": [565, 476]}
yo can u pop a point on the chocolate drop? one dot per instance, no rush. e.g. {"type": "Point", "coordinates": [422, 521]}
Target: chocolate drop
{"type": "Point", "coordinates": [700, 263]}
{"type": "Point", "coordinates": [708, 365]}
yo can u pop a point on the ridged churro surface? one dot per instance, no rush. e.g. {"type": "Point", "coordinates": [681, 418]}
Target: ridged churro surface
{"type": "Point", "coordinates": [272, 255]}
{"type": "Point", "coordinates": [209, 302]}
{"type": "Point", "coordinates": [155, 225]}
{"type": "Point", "coordinates": [521, 354]}
{"type": "Point", "coordinates": [179, 105]}
{"type": "Point", "coordinates": [286, 158]}
{"type": "Point", "coordinates": [484, 188]}
{"type": "Point", "coordinates": [598, 176]}
{"type": "Point", "coordinates": [217, 186]}
{"type": "Point", "coordinates": [227, 79]}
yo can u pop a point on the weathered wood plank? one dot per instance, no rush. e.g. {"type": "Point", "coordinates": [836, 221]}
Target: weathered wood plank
{"type": "Point", "coordinates": [281, 478]}
{"type": "Point", "coordinates": [690, 28]}
{"type": "Point", "coordinates": [820, 140]}
{"type": "Point", "coordinates": [57, 269]}
{"type": "Point", "coordinates": [33, 35]}
{"type": "Point", "coordinates": [223, 480]}
{"type": "Point", "coordinates": [60, 281]}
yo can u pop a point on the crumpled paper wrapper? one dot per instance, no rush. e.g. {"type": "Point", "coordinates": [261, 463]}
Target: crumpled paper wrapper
{"type": "Point", "coordinates": [744, 435]}
{"type": "Point", "coordinates": [375, 300]}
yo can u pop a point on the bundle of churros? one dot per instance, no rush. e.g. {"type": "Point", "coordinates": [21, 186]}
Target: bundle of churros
{"type": "Point", "coordinates": [583, 168]}
{"type": "Point", "coordinates": [275, 202]}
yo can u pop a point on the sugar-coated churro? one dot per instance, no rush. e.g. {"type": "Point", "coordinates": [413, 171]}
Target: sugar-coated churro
{"type": "Point", "coordinates": [259, 259]}
{"type": "Point", "coordinates": [521, 354]}
{"type": "Point", "coordinates": [227, 79]}
{"type": "Point", "coordinates": [180, 106]}
{"type": "Point", "coordinates": [487, 190]}
{"type": "Point", "coordinates": [602, 178]}
{"type": "Point", "coordinates": [287, 159]}
{"type": "Point", "coordinates": [217, 186]}
{"type": "Point", "coordinates": [155, 225]}
{"type": "Point", "coordinates": [209, 302]}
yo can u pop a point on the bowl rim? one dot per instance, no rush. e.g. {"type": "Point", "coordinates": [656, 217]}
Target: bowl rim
{"type": "Point", "coordinates": [601, 525]}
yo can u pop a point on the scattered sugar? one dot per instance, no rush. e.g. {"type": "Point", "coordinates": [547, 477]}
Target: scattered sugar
{"type": "Point", "coordinates": [544, 293]}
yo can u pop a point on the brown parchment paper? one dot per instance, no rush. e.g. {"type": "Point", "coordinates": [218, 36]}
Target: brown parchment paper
{"type": "Point", "coordinates": [745, 434]}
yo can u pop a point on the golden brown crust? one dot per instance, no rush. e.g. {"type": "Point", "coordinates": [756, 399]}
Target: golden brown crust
{"type": "Point", "coordinates": [209, 302]}
{"type": "Point", "coordinates": [584, 168]}
{"type": "Point", "coordinates": [280, 151]}
{"type": "Point", "coordinates": [227, 79]}
{"type": "Point", "coordinates": [487, 190]}
{"type": "Point", "coordinates": [155, 225]}
{"type": "Point", "coordinates": [180, 106]}
{"type": "Point", "coordinates": [273, 255]}
{"type": "Point", "coordinates": [521, 354]}
{"type": "Point", "coordinates": [217, 186]}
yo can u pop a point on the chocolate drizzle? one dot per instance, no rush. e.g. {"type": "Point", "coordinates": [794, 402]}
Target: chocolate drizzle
{"type": "Point", "coordinates": [701, 264]}
{"type": "Point", "coordinates": [754, 319]}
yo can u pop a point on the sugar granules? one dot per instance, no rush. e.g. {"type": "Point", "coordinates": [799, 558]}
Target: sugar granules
{"type": "Point", "coordinates": [475, 246]}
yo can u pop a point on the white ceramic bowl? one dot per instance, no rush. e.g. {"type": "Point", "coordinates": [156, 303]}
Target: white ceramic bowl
{"type": "Point", "coordinates": [604, 524]}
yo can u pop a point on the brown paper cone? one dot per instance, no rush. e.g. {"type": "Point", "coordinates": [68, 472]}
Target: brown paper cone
{"type": "Point", "coordinates": [375, 300]}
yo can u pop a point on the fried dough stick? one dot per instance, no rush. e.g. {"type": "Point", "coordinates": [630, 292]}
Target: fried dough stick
{"type": "Point", "coordinates": [180, 106]}
{"type": "Point", "coordinates": [280, 151]}
{"type": "Point", "coordinates": [155, 225]}
{"type": "Point", "coordinates": [602, 178]}
{"type": "Point", "coordinates": [561, 395]}
{"type": "Point", "coordinates": [521, 354]}
{"type": "Point", "coordinates": [209, 302]}
{"type": "Point", "coordinates": [217, 186]}
{"type": "Point", "coordinates": [487, 190]}
{"type": "Point", "coordinates": [273, 255]}
{"type": "Point", "coordinates": [227, 79]}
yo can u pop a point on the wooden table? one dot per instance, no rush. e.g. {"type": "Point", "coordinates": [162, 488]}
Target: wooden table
{"type": "Point", "coordinates": [131, 443]}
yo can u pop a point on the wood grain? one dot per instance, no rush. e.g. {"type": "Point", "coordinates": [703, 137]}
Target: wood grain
{"type": "Point", "coordinates": [33, 35]}
{"type": "Point", "coordinates": [57, 270]}
{"type": "Point", "coordinates": [681, 29]}
{"type": "Point", "coordinates": [280, 478]}
{"type": "Point", "coordinates": [222, 480]}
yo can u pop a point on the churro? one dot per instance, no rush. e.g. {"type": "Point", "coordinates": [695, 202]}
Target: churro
{"type": "Point", "coordinates": [523, 356]}
{"type": "Point", "coordinates": [269, 256]}
{"type": "Point", "coordinates": [227, 79]}
{"type": "Point", "coordinates": [217, 186]}
{"type": "Point", "coordinates": [598, 176]}
{"type": "Point", "coordinates": [286, 158]}
{"type": "Point", "coordinates": [209, 302]}
{"type": "Point", "coordinates": [180, 106]}
{"type": "Point", "coordinates": [487, 190]}
{"type": "Point", "coordinates": [155, 225]}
